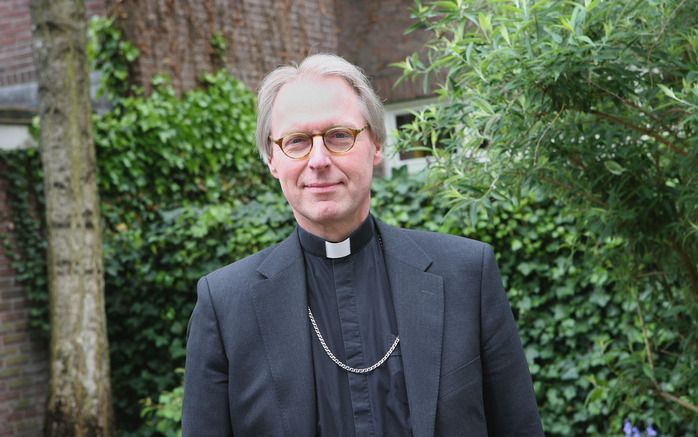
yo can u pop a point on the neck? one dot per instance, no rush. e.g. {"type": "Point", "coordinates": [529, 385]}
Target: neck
{"type": "Point", "coordinates": [334, 232]}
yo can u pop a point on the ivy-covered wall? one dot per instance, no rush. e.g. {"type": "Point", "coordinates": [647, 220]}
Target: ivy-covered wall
{"type": "Point", "coordinates": [23, 353]}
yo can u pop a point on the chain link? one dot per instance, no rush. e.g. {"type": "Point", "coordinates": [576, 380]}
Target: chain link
{"type": "Point", "coordinates": [341, 364]}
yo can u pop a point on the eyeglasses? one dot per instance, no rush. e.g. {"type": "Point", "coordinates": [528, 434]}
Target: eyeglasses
{"type": "Point", "coordinates": [337, 140]}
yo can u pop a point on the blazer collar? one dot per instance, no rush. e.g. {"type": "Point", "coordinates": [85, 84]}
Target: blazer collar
{"type": "Point", "coordinates": [419, 309]}
{"type": "Point", "coordinates": [280, 303]}
{"type": "Point", "coordinates": [281, 308]}
{"type": "Point", "coordinates": [286, 254]}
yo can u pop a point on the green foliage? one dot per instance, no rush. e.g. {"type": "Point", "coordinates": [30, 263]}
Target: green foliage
{"type": "Point", "coordinates": [165, 415]}
{"type": "Point", "coordinates": [166, 151]}
{"type": "Point", "coordinates": [593, 103]}
{"type": "Point", "coordinates": [219, 45]}
{"type": "Point", "coordinates": [26, 249]}
{"type": "Point", "coordinates": [577, 331]}
{"type": "Point", "coordinates": [112, 56]}
{"type": "Point", "coordinates": [173, 172]}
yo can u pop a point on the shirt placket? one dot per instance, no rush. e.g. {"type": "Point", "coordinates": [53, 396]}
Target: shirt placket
{"type": "Point", "coordinates": [353, 346]}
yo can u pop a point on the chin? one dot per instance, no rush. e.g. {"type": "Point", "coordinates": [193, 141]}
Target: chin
{"type": "Point", "coordinates": [325, 216]}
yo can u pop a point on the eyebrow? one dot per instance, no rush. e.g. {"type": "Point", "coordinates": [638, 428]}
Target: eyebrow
{"type": "Point", "coordinates": [303, 128]}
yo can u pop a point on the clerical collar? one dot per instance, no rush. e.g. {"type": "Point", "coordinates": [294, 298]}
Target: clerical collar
{"type": "Point", "coordinates": [352, 244]}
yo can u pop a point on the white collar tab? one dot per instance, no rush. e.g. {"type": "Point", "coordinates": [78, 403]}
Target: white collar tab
{"type": "Point", "coordinates": [338, 250]}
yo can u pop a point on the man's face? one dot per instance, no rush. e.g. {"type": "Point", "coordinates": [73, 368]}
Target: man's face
{"type": "Point", "coordinates": [328, 193]}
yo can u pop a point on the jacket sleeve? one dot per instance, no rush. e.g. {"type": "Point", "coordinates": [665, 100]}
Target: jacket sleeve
{"type": "Point", "coordinates": [205, 411]}
{"type": "Point", "coordinates": [510, 403]}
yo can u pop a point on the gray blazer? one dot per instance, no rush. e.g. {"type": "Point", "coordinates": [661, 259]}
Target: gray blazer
{"type": "Point", "coordinates": [249, 368]}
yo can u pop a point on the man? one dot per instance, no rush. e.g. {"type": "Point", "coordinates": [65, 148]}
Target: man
{"type": "Point", "coordinates": [350, 327]}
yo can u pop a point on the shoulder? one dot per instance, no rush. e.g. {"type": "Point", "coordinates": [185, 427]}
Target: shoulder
{"type": "Point", "coordinates": [237, 275]}
{"type": "Point", "coordinates": [444, 241]}
{"type": "Point", "coordinates": [443, 248]}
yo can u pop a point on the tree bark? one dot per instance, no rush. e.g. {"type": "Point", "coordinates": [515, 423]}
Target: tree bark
{"type": "Point", "coordinates": [79, 401]}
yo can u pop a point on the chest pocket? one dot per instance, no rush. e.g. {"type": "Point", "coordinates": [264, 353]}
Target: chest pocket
{"type": "Point", "coordinates": [460, 406]}
{"type": "Point", "coordinates": [460, 378]}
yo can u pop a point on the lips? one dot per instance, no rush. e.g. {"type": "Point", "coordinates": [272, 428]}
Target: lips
{"type": "Point", "coordinates": [321, 187]}
{"type": "Point", "coordinates": [321, 184]}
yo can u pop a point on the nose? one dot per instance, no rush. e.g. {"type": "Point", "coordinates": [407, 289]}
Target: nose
{"type": "Point", "coordinates": [319, 156]}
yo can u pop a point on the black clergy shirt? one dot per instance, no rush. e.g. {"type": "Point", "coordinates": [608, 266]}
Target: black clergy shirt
{"type": "Point", "coordinates": [351, 300]}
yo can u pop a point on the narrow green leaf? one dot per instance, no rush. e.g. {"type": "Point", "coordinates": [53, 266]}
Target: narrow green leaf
{"type": "Point", "coordinates": [449, 6]}
{"type": "Point", "coordinates": [614, 167]}
{"type": "Point", "coordinates": [668, 91]}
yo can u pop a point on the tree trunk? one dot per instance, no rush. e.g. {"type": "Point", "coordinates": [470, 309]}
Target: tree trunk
{"type": "Point", "coordinates": [79, 401]}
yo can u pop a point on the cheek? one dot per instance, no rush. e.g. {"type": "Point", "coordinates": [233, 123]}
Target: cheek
{"type": "Point", "coordinates": [288, 176]}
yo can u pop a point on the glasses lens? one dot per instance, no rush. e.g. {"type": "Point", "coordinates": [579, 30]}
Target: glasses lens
{"type": "Point", "coordinates": [339, 140]}
{"type": "Point", "coordinates": [296, 145]}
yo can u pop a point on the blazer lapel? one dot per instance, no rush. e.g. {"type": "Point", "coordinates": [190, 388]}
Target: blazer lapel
{"type": "Point", "coordinates": [280, 304]}
{"type": "Point", "coordinates": [419, 308]}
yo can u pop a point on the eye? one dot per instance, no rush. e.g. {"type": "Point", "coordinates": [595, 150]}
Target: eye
{"type": "Point", "coordinates": [339, 134]}
{"type": "Point", "coordinates": [295, 139]}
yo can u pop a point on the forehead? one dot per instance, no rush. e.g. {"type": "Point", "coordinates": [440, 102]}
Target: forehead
{"type": "Point", "coordinates": [317, 102]}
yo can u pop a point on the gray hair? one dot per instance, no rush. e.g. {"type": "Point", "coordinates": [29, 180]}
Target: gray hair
{"type": "Point", "coordinates": [317, 65]}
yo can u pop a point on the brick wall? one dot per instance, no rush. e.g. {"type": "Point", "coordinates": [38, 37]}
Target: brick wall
{"type": "Point", "coordinates": [175, 37]}
{"type": "Point", "coordinates": [23, 357]}
{"type": "Point", "coordinates": [16, 59]}
{"type": "Point", "coordinates": [372, 35]}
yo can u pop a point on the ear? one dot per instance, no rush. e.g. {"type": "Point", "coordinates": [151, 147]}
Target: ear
{"type": "Point", "coordinates": [377, 153]}
{"type": "Point", "coordinates": [272, 167]}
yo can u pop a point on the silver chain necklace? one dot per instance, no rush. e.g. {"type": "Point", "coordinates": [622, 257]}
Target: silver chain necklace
{"type": "Point", "coordinates": [341, 364]}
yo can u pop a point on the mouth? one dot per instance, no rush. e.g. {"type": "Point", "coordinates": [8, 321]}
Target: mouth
{"type": "Point", "coordinates": [321, 187]}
